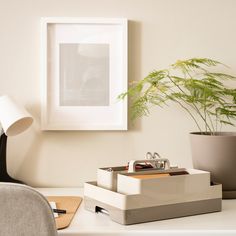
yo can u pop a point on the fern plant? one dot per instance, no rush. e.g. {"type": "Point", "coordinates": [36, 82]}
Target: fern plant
{"type": "Point", "coordinates": [194, 86]}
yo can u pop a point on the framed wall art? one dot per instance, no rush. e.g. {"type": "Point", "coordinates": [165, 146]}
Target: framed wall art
{"type": "Point", "coordinates": [84, 69]}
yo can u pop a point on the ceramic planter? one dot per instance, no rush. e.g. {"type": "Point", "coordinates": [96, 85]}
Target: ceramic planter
{"type": "Point", "coordinates": [217, 154]}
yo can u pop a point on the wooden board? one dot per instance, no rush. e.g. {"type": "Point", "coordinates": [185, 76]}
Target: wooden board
{"type": "Point", "coordinates": [68, 203]}
{"type": "Point", "coordinates": [150, 176]}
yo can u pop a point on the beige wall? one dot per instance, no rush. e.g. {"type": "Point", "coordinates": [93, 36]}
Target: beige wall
{"type": "Point", "coordinates": [160, 32]}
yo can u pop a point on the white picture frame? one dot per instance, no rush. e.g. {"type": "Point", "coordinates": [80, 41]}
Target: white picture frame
{"type": "Point", "coordinates": [84, 69]}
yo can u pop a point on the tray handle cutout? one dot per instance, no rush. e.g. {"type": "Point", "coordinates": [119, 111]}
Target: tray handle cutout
{"type": "Point", "coordinates": [101, 210]}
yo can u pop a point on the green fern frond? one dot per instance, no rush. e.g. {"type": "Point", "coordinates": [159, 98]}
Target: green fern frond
{"type": "Point", "coordinates": [193, 86]}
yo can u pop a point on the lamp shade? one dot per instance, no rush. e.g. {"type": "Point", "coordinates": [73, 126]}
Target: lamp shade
{"type": "Point", "coordinates": [13, 117]}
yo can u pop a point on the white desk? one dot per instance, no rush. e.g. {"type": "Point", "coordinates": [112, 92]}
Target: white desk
{"type": "Point", "coordinates": [91, 224]}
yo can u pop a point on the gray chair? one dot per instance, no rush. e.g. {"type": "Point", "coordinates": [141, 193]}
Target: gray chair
{"type": "Point", "coordinates": [24, 212]}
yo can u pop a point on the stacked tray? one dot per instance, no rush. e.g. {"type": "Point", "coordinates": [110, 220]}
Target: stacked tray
{"type": "Point", "coordinates": [131, 196]}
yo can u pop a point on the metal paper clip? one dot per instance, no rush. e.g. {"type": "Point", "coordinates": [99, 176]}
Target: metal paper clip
{"type": "Point", "coordinates": [159, 164]}
{"type": "Point", "coordinates": [151, 156]}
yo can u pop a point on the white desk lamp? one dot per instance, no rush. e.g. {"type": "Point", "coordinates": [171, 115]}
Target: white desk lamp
{"type": "Point", "coordinates": [14, 120]}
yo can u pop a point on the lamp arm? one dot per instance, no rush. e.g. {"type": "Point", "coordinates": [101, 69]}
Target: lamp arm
{"type": "Point", "coordinates": [3, 147]}
{"type": "Point", "coordinates": [4, 176]}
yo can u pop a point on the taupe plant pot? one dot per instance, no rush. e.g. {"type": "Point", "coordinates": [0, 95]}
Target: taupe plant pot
{"type": "Point", "coordinates": [217, 154]}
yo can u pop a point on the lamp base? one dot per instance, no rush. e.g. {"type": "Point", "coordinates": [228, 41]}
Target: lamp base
{"type": "Point", "coordinates": [7, 178]}
{"type": "Point", "coordinates": [4, 176]}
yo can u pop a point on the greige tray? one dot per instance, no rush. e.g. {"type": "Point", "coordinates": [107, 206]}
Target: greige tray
{"type": "Point", "coordinates": [144, 199]}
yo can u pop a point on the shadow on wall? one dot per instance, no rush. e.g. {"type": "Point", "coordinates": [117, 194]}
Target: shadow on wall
{"type": "Point", "coordinates": [134, 62]}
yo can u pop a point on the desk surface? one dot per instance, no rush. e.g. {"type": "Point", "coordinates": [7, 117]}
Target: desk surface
{"type": "Point", "coordinates": [91, 224]}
